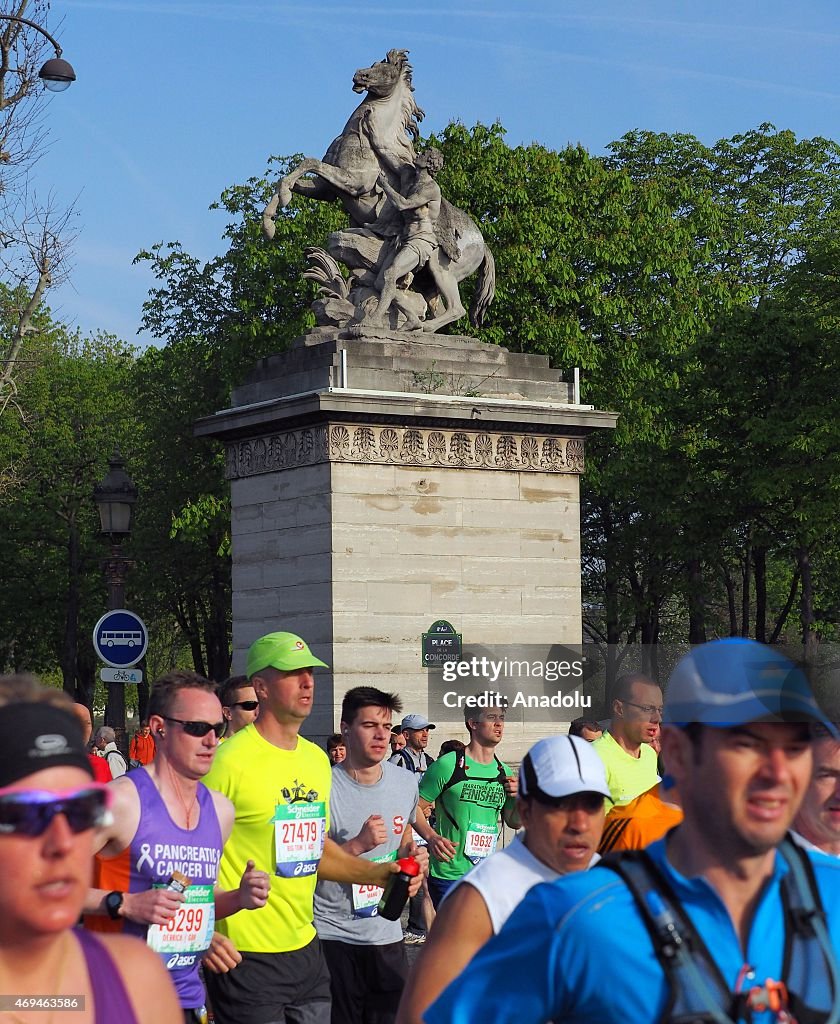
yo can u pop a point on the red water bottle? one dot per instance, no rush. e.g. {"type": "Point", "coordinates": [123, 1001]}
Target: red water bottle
{"type": "Point", "coordinates": [396, 891]}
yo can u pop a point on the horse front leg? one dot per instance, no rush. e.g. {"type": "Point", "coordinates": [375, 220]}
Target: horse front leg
{"type": "Point", "coordinates": [319, 188]}
{"type": "Point", "coordinates": [352, 183]}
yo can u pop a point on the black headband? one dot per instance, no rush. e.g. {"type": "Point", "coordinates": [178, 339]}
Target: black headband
{"type": "Point", "coordinates": [38, 736]}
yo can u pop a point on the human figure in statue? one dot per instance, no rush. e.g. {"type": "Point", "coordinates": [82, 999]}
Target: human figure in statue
{"type": "Point", "coordinates": [417, 246]}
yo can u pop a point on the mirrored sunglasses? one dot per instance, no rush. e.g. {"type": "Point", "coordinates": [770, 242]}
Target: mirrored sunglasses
{"type": "Point", "coordinates": [199, 729]}
{"type": "Point", "coordinates": [246, 705]}
{"type": "Point", "coordinates": [30, 812]}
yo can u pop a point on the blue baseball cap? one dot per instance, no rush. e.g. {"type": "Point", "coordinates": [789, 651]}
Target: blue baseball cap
{"type": "Point", "coordinates": [734, 681]}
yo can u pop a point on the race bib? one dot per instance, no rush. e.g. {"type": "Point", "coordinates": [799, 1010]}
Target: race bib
{"type": "Point", "coordinates": [299, 831]}
{"type": "Point", "coordinates": [366, 897]}
{"type": "Point", "coordinates": [480, 842]}
{"type": "Point", "coordinates": [191, 929]}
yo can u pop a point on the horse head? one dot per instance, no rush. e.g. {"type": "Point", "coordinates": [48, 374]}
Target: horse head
{"type": "Point", "coordinates": [381, 78]}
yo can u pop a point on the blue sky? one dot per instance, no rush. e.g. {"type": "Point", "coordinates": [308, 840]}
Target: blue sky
{"type": "Point", "coordinates": [177, 99]}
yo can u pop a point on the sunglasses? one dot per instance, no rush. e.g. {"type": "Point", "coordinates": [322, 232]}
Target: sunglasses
{"type": "Point", "coordinates": [199, 729]}
{"type": "Point", "coordinates": [29, 812]}
{"type": "Point", "coordinates": [246, 705]}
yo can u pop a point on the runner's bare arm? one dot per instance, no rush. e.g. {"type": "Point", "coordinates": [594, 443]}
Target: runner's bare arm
{"type": "Point", "coordinates": [461, 928]}
{"type": "Point", "coordinates": [440, 848]}
{"type": "Point", "coordinates": [154, 906]}
{"type": "Point", "coordinates": [510, 813]}
{"type": "Point", "coordinates": [336, 865]}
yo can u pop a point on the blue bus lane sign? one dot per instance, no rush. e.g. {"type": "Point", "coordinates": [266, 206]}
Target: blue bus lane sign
{"type": "Point", "coordinates": [120, 638]}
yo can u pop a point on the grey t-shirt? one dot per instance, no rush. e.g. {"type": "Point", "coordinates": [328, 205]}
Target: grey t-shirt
{"type": "Point", "coordinates": [347, 913]}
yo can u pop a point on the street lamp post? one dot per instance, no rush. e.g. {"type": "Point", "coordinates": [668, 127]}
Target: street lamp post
{"type": "Point", "coordinates": [56, 74]}
{"type": "Point", "coordinates": [115, 497]}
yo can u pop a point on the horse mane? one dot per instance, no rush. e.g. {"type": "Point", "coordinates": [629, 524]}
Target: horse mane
{"type": "Point", "coordinates": [412, 114]}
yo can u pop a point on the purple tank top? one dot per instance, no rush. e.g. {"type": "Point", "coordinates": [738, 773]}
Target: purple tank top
{"type": "Point", "coordinates": [160, 847]}
{"type": "Point", "coordinates": [109, 995]}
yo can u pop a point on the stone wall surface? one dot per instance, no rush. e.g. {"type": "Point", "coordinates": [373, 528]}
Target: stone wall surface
{"type": "Point", "coordinates": [362, 514]}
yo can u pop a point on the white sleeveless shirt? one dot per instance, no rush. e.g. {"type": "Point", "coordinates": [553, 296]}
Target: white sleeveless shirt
{"type": "Point", "coordinates": [503, 879]}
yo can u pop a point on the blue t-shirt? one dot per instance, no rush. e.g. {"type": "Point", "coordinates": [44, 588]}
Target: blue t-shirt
{"type": "Point", "coordinates": [577, 950]}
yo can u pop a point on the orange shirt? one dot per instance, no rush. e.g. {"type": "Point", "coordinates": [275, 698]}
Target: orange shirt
{"type": "Point", "coordinates": [639, 823]}
{"type": "Point", "coordinates": [142, 748]}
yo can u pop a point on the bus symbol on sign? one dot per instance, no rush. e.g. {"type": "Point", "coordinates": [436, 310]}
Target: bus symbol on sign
{"type": "Point", "coordinates": [120, 638]}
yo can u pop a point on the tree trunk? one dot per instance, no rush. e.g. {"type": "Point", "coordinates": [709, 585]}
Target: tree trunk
{"type": "Point", "coordinates": [85, 675]}
{"type": "Point", "coordinates": [746, 575]}
{"type": "Point", "coordinates": [760, 573]}
{"type": "Point", "coordinates": [806, 604]}
{"type": "Point", "coordinates": [783, 615]}
{"type": "Point", "coordinates": [143, 689]}
{"type": "Point", "coordinates": [696, 603]}
{"type": "Point", "coordinates": [729, 583]}
{"type": "Point", "coordinates": [611, 591]}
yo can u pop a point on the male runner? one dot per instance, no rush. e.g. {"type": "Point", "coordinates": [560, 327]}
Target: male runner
{"type": "Point", "coordinates": [372, 806]}
{"type": "Point", "coordinates": [561, 806]}
{"type": "Point", "coordinates": [817, 824]}
{"type": "Point", "coordinates": [239, 704]}
{"type": "Point", "coordinates": [166, 821]}
{"type": "Point", "coordinates": [625, 748]}
{"type": "Point", "coordinates": [268, 965]}
{"type": "Point", "coordinates": [723, 920]}
{"type": "Point", "coordinates": [412, 754]}
{"type": "Point", "coordinates": [469, 790]}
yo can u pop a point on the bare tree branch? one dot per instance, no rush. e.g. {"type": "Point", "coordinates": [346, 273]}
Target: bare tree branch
{"type": "Point", "coordinates": [34, 236]}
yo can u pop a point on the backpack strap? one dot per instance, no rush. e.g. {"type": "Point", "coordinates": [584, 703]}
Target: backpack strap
{"type": "Point", "coordinates": [807, 941]}
{"type": "Point", "coordinates": [459, 774]}
{"type": "Point", "coordinates": [698, 990]}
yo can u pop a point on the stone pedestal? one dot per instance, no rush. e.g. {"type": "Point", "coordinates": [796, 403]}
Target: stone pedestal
{"type": "Point", "coordinates": [381, 483]}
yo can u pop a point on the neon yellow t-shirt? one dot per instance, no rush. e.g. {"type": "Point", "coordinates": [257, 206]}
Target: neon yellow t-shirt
{"type": "Point", "coordinates": [282, 800]}
{"type": "Point", "coordinates": [627, 776]}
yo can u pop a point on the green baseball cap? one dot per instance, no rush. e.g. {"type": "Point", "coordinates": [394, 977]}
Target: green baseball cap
{"type": "Point", "coordinates": [283, 651]}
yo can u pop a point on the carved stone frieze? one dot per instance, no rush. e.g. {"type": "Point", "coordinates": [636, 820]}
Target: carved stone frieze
{"type": "Point", "coordinates": [404, 446]}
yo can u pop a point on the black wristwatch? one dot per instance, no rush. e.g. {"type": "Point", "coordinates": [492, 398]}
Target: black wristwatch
{"type": "Point", "coordinates": [113, 904]}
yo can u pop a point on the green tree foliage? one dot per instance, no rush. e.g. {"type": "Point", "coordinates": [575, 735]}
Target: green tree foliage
{"type": "Point", "coordinates": [664, 271]}
{"type": "Point", "coordinates": [51, 591]}
{"type": "Point", "coordinates": [663, 514]}
{"type": "Point", "coordinates": [217, 318]}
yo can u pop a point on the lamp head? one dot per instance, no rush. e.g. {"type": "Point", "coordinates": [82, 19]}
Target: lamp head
{"type": "Point", "coordinates": [57, 75]}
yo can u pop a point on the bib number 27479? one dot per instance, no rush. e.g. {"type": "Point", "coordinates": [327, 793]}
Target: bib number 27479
{"type": "Point", "coordinates": [299, 831]}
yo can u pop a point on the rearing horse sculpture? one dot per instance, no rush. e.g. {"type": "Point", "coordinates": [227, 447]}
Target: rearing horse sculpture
{"type": "Point", "coordinates": [379, 136]}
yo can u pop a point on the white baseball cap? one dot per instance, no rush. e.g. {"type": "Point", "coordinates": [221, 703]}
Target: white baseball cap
{"type": "Point", "coordinates": [562, 766]}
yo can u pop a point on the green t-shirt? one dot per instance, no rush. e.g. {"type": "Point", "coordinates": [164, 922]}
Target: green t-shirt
{"type": "Point", "coordinates": [627, 776]}
{"type": "Point", "coordinates": [467, 813]}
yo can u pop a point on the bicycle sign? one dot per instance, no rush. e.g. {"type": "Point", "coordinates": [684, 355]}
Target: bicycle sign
{"type": "Point", "coordinates": [120, 638]}
{"type": "Point", "coordinates": [121, 675]}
